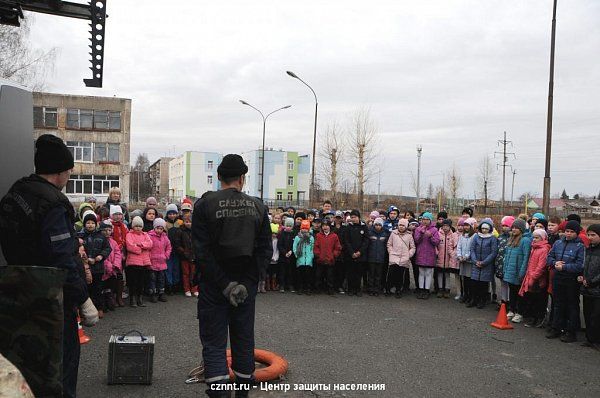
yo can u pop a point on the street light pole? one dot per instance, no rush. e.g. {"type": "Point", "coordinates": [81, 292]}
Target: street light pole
{"type": "Point", "coordinates": [314, 148]}
{"type": "Point", "coordinates": [546, 197]}
{"type": "Point", "coordinates": [262, 151]}
{"type": "Point", "coordinates": [419, 150]}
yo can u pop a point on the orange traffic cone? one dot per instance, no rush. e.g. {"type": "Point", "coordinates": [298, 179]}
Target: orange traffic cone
{"type": "Point", "coordinates": [501, 319]}
{"type": "Point", "coordinates": [83, 339]}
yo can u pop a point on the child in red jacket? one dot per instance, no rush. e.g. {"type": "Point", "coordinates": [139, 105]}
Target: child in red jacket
{"type": "Point", "coordinates": [327, 249]}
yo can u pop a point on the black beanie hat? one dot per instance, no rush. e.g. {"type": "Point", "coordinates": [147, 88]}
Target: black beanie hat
{"type": "Point", "coordinates": [594, 228]}
{"type": "Point", "coordinates": [355, 213]}
{"type": "Point", "coordinates": [300, 214]}
{"type": "Point", "coordinates": [232, 165]}
{"type": "Point", "coordinates": [52, 155]}
{"type": "Point", "coordinates": [447, 221]}
{"type": "Point", "coordinates": [468, 210]}
{"type": "Point", "coordinates": [543, 222]}
{"type": "Point", "coordinates": [573, 226]}
{"type": "Point", "coordinates": [442, 214]}
{"type": "Point", "coordinates": [574, 217]}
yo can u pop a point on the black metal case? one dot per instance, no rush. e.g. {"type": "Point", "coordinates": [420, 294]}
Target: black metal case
{"type": "Point", "coordinates": [130, 359]}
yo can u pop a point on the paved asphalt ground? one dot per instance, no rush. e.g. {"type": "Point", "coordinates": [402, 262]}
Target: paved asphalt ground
{"type": "Point", "coordinates": [417, 348]}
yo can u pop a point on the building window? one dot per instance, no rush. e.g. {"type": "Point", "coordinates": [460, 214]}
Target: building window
{"type": "Point", "coordinates": [290, 196]}
{"type": "Point", "coordinates": [106, 152]}
{"type": "Point", "coordinates": [80, 118]}
{"type": "Point", "coordinates": [209, 180]}
{"type": "Point", "coordinates": [82, 151]}
{"type": "Point", "coordinates": [290, 180]}
{"type": "Point", "coordinates": [45, 117]}
{"type": "Point", "coordinates": [114, 120]}
{"type": "Point", "coordinates": [101, 120]}
{"type": "Point", "coordinates": [290, 165]}
{"type": "Point", "coordinates": [210, 165]}
{"type": "Point", "coordinates": [91, 184]}
{"type": "Point", "coordinates": [279, 195]}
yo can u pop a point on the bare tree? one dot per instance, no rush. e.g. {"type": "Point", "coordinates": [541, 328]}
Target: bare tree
{"type": "Point", "coordinates": [332, 153]}
{"type": "Point", "coordinates": [19, 62]}
{"type": "Point", "coordinates": [454, 183]}
{"type": "Point", "coordinates": [486, 179]}
{"type": "Point", "coordinates": [140, 186]}
{"type": "Point", "coordinates": [430, 193]}
{"type": "Point", "coordinates": [362, 144]}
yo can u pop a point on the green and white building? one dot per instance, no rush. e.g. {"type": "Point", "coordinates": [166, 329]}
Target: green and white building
{"type": "Point", "coordinates": [192, 174]}
{"type": "Point", "coordinates": [287, 176]}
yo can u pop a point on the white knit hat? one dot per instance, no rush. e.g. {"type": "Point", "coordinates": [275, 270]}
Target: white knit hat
{"type": "Point", "coordinates": [115, 209]}
{"type": "Point", "coordinates": [159, 222]}
{"type": "Point", "coordinates": [137, 222]}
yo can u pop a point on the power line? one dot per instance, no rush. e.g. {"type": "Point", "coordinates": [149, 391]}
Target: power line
{"type": "Point", "coordinates": [505, 164]}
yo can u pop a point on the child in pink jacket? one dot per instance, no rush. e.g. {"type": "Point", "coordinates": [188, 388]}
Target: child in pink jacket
{"type": "Point", "coordinates": [113, 268]}
{"type": "Point", "coordinates": [138, 262]}
{"type": "Point", "coordinates": [446, 258]}
{"type": "Point", "coordinates": [161, 251]}
{"type": "Point", "coordinates": [401, 247]}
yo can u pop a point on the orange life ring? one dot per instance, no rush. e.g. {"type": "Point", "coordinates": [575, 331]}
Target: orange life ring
{"type": "Point", "coordinates": [276, 367]}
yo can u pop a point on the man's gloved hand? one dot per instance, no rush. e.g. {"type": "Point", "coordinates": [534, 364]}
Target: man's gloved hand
{"type": "Point", "coordinates": [235, 293]}
{"type": "Point", "coordinates": [89, 313]}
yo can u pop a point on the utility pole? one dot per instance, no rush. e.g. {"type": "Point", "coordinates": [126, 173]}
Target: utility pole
{"type": "Point", "coordinates": [504, 154]}
{"type": "Point", "coordinates": [485, 197]}
{"type": "Point", "coordinates": [546, 197]}
{"type": "Point", "coordinates": [512, 191]}
{"type": "Point", "coordinates": [419, 150]}
{"type": "Point", "coordinates": [378, 187]}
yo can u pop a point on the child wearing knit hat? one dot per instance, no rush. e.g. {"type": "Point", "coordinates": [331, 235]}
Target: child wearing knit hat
{"type": "Point", "coordinates": [161, 251]}
{"type": "Point", "coordinates": [97, 249]}
{"type": "Point", "coordinates": [503, 238]}
{"type": "Point", "coordinates": [286, 266]}
{"type": "Point", "coordinates": [566, 258]}
{"type": "Point", "coordinates": [139, 246]}
{"type": "Point", "coordinates": [401, 248]}
{"type": "Point", "coordinates": [463, 255]}
{"type": "Point", "coordinates": [534, 285]}
{"type": "Point", "coordinates": [590, 288]}
{"type": "Point", "coordinates": [303, 249]}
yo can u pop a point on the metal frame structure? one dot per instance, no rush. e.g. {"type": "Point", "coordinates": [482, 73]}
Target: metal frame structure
{"type": "Point", "coordinates": [11, 12]}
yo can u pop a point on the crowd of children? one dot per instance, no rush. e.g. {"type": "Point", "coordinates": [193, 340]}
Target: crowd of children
{"type": "Point", "coordinates": [537, 266]}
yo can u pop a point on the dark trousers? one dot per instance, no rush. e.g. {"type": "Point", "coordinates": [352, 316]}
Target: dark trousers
{"type": "Point", "coordinates": [286, 273]}
{"type": "Point", "coordinates": [95, 291]}
{"type": "Point", "coordinates": [479, 291]}
{"type": "Point", "coordinates": [375, 271]}
{"type": "Point", "coordinates": [157, 282]}
{"type": "Point", "coordinates": [217, 317]}
{"type": "Point", "coordinates": [566, 305]}
{"type": "Point", "coordinates": [591, 314]}
{"type": "Point", "coordinates": [415, 268]}
{"type": "Point", "coordinates": [436, 286]}
{"type": "Point", "coordinates": [397, 277]}
{"type": "Point", "coordinates": [305, 278]}
{"type": "Point", "coordinates": [173, 273]}
{"type": "Point", "coordinates": [534, 304]}
{"type": "Point", "coordinates": [71, 352]}
{"type": "Point", "coordinates": [339, 273]}
{"type": "Point", "coordinates": [324, 276]}
{"type": "Point", "coordinates": [365, 275]}
{"type": "Point", "coordinates": [466, 288]}
{"type": "Point", "coordinates": [136, 279]}
{"type": "Point", "coordinates": [354, 275]}
{"type": "Point", "coordinates": [514, 300]}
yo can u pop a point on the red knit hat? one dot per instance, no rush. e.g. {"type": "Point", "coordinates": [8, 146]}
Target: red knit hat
{"type": "Point", "coordinates": [305, 226]}
{"type": "Point", "coordinates": [562, 226]}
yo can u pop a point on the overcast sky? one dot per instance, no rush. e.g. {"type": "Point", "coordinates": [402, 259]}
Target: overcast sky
{"type": "Point", "coordinates": [449, 75]}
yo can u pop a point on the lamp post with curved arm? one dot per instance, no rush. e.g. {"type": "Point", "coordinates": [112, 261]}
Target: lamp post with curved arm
{"type": "Point", "coordinates": [262, 161]}
{"type": "Point", "coordinates": [312, 174]}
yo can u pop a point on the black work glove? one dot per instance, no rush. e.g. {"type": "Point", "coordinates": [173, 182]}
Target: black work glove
{"type": "Point", "coordinates": [236, 293]}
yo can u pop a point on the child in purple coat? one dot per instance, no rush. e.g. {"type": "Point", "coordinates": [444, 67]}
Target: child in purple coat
{"type": "Point", "coordinates": [427, 238]}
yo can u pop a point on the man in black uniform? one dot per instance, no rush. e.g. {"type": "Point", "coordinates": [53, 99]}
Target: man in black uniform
{"type": "Point", "coordinates": [36, 228]}
{"type": "Point", "coordinates": [232, 239]}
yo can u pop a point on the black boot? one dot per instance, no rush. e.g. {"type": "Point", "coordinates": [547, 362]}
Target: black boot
{"type": "Point", "coordinates": [140, 302]}
{"type": "Point", "coordinates": [153, 298]}
{"type": "Point", "coordinates": [162, 298]}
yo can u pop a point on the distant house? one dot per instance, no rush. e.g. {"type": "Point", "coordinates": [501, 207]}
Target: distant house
{"type": "Point", "coordinates": [595, 205]}
{"type": "Point", "coordinates": [538, 203]}
{"type": "Point", "coordinates": [579, 206]}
